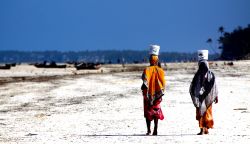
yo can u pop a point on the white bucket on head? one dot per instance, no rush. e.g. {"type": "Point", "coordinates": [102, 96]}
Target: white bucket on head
{"type": "Point", "coordinates": [202, 55]}
{"type": "Point", "coordinates": [154, 49]}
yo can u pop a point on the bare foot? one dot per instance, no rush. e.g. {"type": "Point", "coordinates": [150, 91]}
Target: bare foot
{"type": "Point", "coordinates": [148, 133]}
{"type": "Point", "coordinates": [155, 133]}
{"type": "Point", "coordinates": [206, 131]}
{"type": "Point", "coordinates": [201, 132]}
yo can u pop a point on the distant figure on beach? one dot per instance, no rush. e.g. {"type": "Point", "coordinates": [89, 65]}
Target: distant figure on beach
{"type": "Point", "coordinates": [203, 91]}
{"type": "Point", "coordinates": [153, 89]}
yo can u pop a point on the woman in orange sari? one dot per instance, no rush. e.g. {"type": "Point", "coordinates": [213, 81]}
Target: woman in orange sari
{"type": "Point", "coordinates": [203, 91]}
{"type": "Point", "coordinates": [153, 89]}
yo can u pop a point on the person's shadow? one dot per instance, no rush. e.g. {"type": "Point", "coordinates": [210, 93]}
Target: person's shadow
{"type": "Point", "coordinates": [135, 135]}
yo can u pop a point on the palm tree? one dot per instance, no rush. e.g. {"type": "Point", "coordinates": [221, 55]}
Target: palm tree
{"type": "Point", "coordinates": [221, 29]}
{"type": "Point", "coordinates": [210, 41]}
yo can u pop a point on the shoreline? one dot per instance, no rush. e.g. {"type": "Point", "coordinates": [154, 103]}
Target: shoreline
{"type": "Point", "coordinates": [28, 73]}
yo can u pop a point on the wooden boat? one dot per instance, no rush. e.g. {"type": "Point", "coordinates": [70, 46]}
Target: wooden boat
{"type": "Point", "coordinates": [82, 66]}
{"type": "Point", "coordinates": [5, 67]}
{"type": "Point", "coordinates": [50, 65]}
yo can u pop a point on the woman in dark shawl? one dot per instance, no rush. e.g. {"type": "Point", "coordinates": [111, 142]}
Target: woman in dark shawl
{"type": "Point", "coordinates": [203, 91]}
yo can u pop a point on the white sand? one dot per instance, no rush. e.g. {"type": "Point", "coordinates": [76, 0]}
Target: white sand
{"type": "Point", "coordinates": [107, 108]}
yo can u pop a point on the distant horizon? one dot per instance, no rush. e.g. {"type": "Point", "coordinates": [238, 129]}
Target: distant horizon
{"type": "Point", "coordinates": [110, 56]}
{"type": "Point", "coordinates": [104, 50]}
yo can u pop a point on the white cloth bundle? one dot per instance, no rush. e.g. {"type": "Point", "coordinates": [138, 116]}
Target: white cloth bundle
{"type": "Point", "coordinates": [202, 55]}
{"type": "Point", "coordinates": [154, 50]}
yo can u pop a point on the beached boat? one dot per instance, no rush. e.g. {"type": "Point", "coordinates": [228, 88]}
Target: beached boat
{"type": "Point", "coordinates": [6, 66]}
{"type": "Point", "coordinates": [82, 66]}
{"type": "Point", "coordinates": [49, 65]}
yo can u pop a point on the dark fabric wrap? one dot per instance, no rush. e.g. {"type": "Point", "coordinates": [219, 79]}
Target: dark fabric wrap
{"type": "Point", "coordinates": [203, 88]}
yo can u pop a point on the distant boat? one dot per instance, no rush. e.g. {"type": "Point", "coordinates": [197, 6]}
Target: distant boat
{"type": "Point", "coordinates": [6, 66]}
{"type": "Point", "coordinates": [82, 66]}
{"type": "Point", "coordinates": [50, 65]}
{"type": "Point", "coordinates": [13, 64]}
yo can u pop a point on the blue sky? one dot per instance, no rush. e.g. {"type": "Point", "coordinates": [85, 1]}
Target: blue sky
{"type": "Point", "coordinates": [176, 25]}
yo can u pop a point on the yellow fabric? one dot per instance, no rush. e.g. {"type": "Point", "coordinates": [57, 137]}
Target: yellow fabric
{"type": "Point", "coordinates": [153, 78]}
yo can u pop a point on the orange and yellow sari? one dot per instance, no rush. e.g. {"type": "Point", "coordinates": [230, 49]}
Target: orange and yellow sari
{"type": "Point", "coordinates": [153, 90]}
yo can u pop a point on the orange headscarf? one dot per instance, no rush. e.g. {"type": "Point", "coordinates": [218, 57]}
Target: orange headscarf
{"type": "Point", "coordinates": [153, 79]}
{"type": "Point", "coordinates": [154, 60]}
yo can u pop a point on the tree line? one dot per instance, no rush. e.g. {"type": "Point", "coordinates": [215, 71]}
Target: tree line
{"type": "Point", "coordinates": [104, 56]}
{"type": "Point", "coordinates": [234, 45]}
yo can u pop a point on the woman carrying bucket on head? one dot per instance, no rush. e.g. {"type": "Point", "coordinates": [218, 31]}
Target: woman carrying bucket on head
{"type": "Point", "coordinates": [203, 91]}
{"type": "Point", "coordinates": [153, 89]}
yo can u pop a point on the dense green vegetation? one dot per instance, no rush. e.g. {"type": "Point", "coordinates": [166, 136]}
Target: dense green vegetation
{"type": "Point", "coordinates": [234, 45]}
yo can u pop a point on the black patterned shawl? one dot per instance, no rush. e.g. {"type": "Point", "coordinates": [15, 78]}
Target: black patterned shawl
{"type": "Point", "coordinates": [203, 88]}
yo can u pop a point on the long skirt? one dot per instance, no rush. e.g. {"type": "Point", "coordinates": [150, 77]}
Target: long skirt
{"type": "Point", "coordinates": [152, 111]}
{"type": "Point", "coordinates": [205, 121]}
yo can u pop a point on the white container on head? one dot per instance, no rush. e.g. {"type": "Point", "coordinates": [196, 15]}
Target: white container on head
{"type": "Point", "coordinates": [154, 50]}
{"type": "Point", "coordinates": [202, 55]}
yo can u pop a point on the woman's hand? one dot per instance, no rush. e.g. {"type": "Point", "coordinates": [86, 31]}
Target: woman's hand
{"type": "Point", "coordinates": [216, 100]}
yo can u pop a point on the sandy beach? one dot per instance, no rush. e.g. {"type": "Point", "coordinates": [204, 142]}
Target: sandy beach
{"type": "Point", "coordinates": [106, 106]}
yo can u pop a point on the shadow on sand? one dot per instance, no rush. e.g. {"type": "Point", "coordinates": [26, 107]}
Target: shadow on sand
{"type": "Point", "coordinates": [136, 135]}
